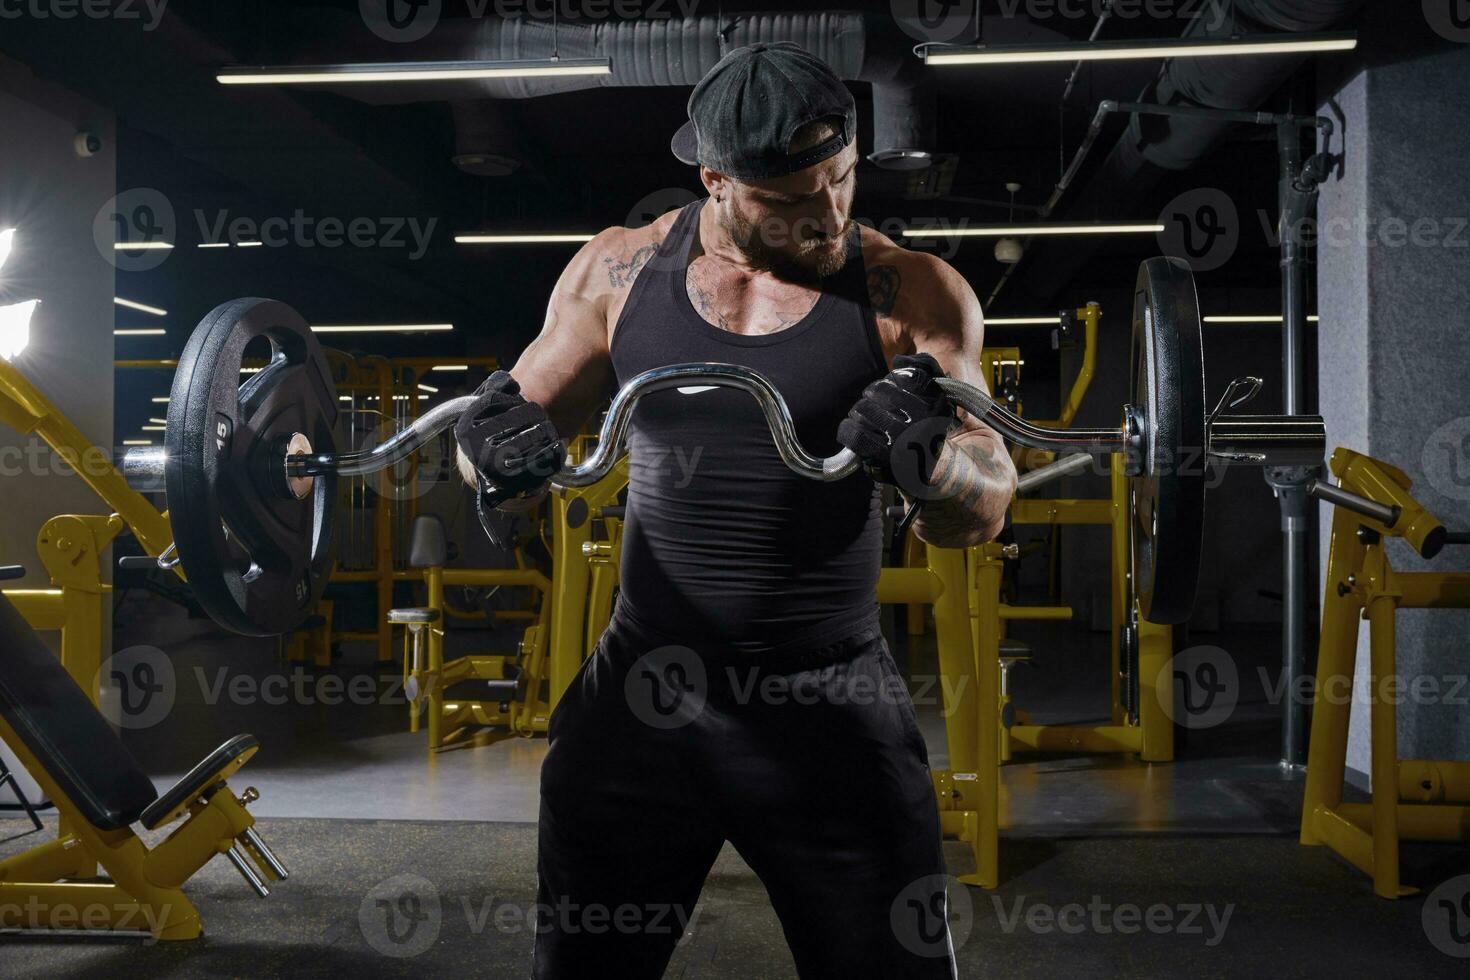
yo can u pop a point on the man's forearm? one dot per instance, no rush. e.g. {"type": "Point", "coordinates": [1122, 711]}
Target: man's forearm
{"type": "Point", "coordinates": [973, 483]}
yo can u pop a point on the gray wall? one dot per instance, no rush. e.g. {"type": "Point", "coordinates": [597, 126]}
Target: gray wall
{"type": "Point", "coordinates": [1394, 367]}
{"type": "Point", "coordinates": [51, 195]}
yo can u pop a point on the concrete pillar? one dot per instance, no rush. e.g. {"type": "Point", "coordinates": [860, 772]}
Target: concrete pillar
{"type": "Point", "coordinates": [1394, 298]}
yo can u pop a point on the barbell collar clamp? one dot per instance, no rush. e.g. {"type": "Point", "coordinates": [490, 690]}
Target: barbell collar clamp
{"type": "Point", "coordinates": [1269, 440]}
{"type": "Point", "coordinates": [1237, 393]}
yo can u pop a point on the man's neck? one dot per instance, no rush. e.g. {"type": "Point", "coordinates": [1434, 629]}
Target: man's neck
{"type": "Point", "coordinates": [715, 242]}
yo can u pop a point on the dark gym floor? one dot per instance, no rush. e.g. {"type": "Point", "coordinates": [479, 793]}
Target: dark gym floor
{"type": "Point", "coordinates": [1198, 856]}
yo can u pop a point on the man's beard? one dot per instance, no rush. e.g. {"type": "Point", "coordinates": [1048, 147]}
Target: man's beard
{"type": "Point", "coordinates": [811, 265]}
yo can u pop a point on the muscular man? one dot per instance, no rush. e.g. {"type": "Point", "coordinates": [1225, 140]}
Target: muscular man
{"type": "Point", "coordinates": [743, 691]}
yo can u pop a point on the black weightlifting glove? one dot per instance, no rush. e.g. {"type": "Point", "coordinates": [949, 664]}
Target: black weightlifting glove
{"type": "Point", "coordinates": [513, 445]}
{"type": "Point", "coordinates": [899, 426]}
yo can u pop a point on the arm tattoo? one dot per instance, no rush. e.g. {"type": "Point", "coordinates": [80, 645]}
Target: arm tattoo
{"type": "Point", "coordinates": [620, 274]}
{"type": "Point", "coordinates": [972, 489]}
{"type": "Point", "coordinates": [883, 282]}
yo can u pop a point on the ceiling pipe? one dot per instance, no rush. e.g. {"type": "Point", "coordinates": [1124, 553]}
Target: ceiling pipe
{"type": "Point", "coordinates": [1152, 146]}
{"type": "Point", "coordinates": [668, 52]}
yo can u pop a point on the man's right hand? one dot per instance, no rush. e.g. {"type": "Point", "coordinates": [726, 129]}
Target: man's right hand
{"type": "Point", "coordinates": [511, 444]}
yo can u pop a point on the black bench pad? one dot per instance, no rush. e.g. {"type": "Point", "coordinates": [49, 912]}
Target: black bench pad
{"type": "Point", "coordinates": [66, 733]}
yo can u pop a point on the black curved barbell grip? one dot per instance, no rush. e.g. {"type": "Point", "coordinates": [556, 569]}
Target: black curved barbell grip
{"type": "Point", "coordinates": [11, 572]}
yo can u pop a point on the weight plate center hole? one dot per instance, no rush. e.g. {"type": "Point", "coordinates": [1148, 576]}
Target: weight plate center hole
{"type": "Point", "coordinates": [300, 486]}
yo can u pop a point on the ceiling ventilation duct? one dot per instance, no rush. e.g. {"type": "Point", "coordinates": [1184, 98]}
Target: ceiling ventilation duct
{"type": "Point", "coordinates": [671, 52]}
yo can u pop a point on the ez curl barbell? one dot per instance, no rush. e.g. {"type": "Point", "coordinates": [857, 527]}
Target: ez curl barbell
{"type": "Point", "coordinates": [250, 468]}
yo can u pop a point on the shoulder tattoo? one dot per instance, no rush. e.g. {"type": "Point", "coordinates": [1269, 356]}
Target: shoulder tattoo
{"type": "Point", "coordinates": [622, 273]}
{"type": "Point", "coordinates": [883, 283]}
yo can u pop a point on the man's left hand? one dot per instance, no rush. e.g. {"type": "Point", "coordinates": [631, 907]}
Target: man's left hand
{"type": "Point", "coordinates": [898, 428]}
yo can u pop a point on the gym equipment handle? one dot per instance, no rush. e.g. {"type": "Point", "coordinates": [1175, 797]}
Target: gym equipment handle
{"type": "Point", "coordinates": [1385, 514]}
{"type": "Point", "coordinates": [1066, 466]}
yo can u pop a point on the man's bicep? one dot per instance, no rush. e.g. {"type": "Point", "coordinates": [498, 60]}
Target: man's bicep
{"type": "Point", "coordinates": [949, 325]}
{"type": "Point", "coordinates": [567, 369]}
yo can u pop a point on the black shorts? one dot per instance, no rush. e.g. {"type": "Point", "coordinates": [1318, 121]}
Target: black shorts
{"type": "Point", "coordinates": [811, 765]}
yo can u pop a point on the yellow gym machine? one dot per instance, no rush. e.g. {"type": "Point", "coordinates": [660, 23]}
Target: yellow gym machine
{"type": "Point", "coordinates": [71, 546]}
{"type": "Point", "coordinates": [574, 608]}
{"type": "Point", "coordinates": [100, 791]}
{"type": "Point", "coordinates": [968, 792]}
{"type": "Point", "coordinates": [49, 718]}
{"type": "Point", "coordinates": [1411, 799]}
{"type": "Point", "coordinates": [27, 411]}
{"type": "Point", "coordinates": [380, 396]}
{"type": "Point", "coordinates": [511, 685]}
{"type": "Point", "coordinates": [1139, 722]}
{"type": "Point", "coordinates": [586, 524]}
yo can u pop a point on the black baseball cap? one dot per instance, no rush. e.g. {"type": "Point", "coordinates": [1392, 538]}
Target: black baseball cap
{"type": "Point", "coordinates": [744, 112]}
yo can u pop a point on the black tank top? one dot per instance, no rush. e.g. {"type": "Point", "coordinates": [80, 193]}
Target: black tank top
{"type": "Point", "coordinates": [723, 542]}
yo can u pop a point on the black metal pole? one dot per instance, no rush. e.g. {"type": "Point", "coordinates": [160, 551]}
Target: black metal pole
{"type": "Point", "coordinates": [1298, 196]}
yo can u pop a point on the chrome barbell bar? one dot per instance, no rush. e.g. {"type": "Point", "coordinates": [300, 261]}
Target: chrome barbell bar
{"type": "Point", "coordinates": [1258, 439]}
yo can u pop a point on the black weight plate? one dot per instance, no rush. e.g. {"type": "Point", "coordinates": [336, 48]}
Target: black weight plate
{"type": "Point", "coordinates": [1168, 495]}
{"type": "Point", "coordinates": [256, 557]}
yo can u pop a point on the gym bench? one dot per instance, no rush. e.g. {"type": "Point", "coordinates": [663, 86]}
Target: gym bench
{"type": "Point", "coordinates": [100, 791]}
